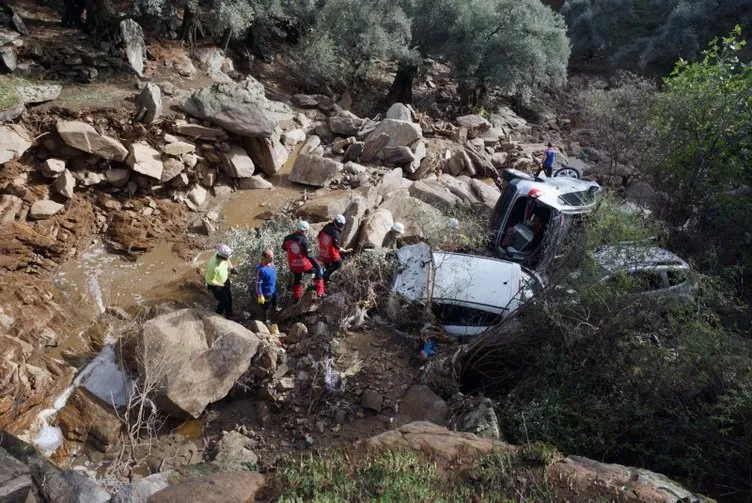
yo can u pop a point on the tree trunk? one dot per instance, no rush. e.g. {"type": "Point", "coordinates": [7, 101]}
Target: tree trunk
{"type": "Point", "coordinates": [402, 86]}
{"type": "Point", "coordinates": [101, 22]}
{"type": "Point", "coordinates": [191, 24]}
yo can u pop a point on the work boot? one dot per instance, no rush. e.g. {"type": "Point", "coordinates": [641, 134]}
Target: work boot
{"type": "Point", "coordinates": [320, 288]}
{"type": "Point", "coordinates": [297, 292]}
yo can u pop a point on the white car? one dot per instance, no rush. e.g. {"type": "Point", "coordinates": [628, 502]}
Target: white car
{"type": "Point", "coordinates": [467, 293]}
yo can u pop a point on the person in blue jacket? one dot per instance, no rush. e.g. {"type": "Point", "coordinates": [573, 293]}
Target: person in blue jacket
{"type": "Point", "coordinates": [266, 282]}
{"type": "Point", "coordinates": [549, 160]}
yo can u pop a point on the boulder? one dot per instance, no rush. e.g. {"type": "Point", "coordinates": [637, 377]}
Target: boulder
{"type": "Point", "coordinates": [234, 452]}
{"type": "Point", "coordinates": [486, 193]}
{"type": "Point", "coordinates": [313, 170]}
{"type": "Point", "coordinates": [476, 125]}
{"type": "Point", "coordinates": [307, 100]}
{"type": "Point", "coordinates": [12, 112]}
{"type": "Point", "coordinates": [52, 168]}
{"type": "Point", "coordinates": [291, 138]}
{"type": "Point", "coordinates": [171, 168]}
{"type": "Point", "coordinates": [389, 183]}
{"type": "Point", "coordinates": [15, 480]}
{"type": "Point", "coordinates": [420, 403]}
{"type": "Point", "coordinates": [399, 112]}
{"type": "Point", "coordinates": [10, 206]}
{"type": "Point", "coordinates": [198, 195]}
{"type": "Point", "coordinates": [354, 216]}
{"type": "Point", "coordinates": [400, 133]}
{"type": "Point", "coordinates": [397, 156]}
{"type": "Point", "coordinates": [149, 104]}
{"type": "Point", "coordinates": [39, 93]}
{"type": "Point", "coordinates": [254, 182]}
{"type": "Point", "coordinates": [178, 148]}
{"type": "Point", "coordinates": [419, 153]}
{"type": "Point", "coordinates": [231, 107]}
{"type": "Point", "coordinates": [346, 124]}
{"type": "Point", "coordinates": [65, 184]}
{"type": "Point", "coordinates": [133, 43]}
{"type": "Point", "coordinates": [237, 163]}
{"type": "Point", "coordinates": [8, 60]}
{"type": "Point", "coordinates": [326, 207]}
{"type": "Point", "coordinates": [140, 490]}
{"type": "Point", "coordinates": [435, 194]}
{"type": "Point", "coordinates": [44, 208]}
{"type": "Point", "coordinates": [642, 194]}
{"type": "Point", "coordinates": [354, 151]}
{"type": "Point", "coordinates": [372, 147]}
{"type": "Point", "coordinates": [143, 159]}
{"type": "Point", "coordinates": [204, 356]}
{"type": "Point", "coordinates": [417, 216]}
{"type": "Point", "coordinates": [460, 188]}
{"type": "Point", "coordinates": [84, 137]}
{"type": "Point", "coordinates": [242, 486]}
{"type": "Point", "coordinates": [375, 228]}
{"type": "Point", "coordinates": [87, 419]}
{"type": "Point", "coordinates": [482, 421]}
{"type": "Point", "coordinates": [268, 153]}
{"type": "Point", "coordinates": [372, 400]}
{"type": "Point", "coordinates": [117, 177]}
{"type": "Point", "coordinates": [198, 132]}
{"type": "Point", "coordinates": [14, 142]}
{"type": "Point", "coordinates": [311, 145]}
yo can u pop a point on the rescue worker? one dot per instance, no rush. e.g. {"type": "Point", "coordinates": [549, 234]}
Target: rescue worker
{"type": "Point", "coordinates": [266, 282]}
{"type": "Point", "coordinates": [300, 261]}
{"type": "Point", "coordinates": [549, 160]}
{"type": "Point", "coordinates": [217, 279]}
{"type": "Point", "coordinates": [391, 240]}
{"type": "Point", "coordinates": [329, 246]}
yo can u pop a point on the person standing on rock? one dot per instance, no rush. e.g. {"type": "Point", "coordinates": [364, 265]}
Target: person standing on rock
{"type": "Point", "coordinates": [300, 261]}
{"type": "Point", "coordinates": [266, 282]}
{"type": "Point", "coordinates": [391, 240]}
{"type": "Point", "coordinates": [217, 278]}
{"type": "Point", "coordinates": [329, 246]}
{"type": "Point", "coordinates": [549, 160]}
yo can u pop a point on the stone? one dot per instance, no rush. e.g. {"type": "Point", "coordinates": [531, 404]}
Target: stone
{"type": "Point", "coordinates": [482, 421]}
{"type": "Point", "coordinates": [225, 487]}
{"type": "Point", "coordinates": [84, 137]}
{"type": "Point", "coordinates": [87, 419]}
{"type": "Point", "coordinates": [205, 355]}
{"type": "Point", "coordinates": [15, 479]}
{"type": "Point", "coordinates": [254, 182]}
{"type": "Point", "coordinates": [258, 327]}
{"type": "Point", "coordinates": [486, 193]}
{"type": "Point", "coordinates": [460, 188]}
{"type": "Point", "coordinates": [145, 160]}
{"type": "Point", "coordinates": [354, 151]}
{"type": "Point", "coordinates": [39, 93]}
{"type": "Point", "coordinates": [420, 403]}
{"type": "Point", "coordinates": [231, 107]}
{"type": "Point", "coordinates": [400, 112]}
{"type": "Point", "coordinates": [499, 159]}
{"type": "Point", "coordinates": [140, 490]}
{"type": "Point", "coordinates": [211, 58]}
{"type": "Point", "coordinates": [291, 138]}
{"type": "Point", "coordinates": [296, 333]}
{"type": "Point", "coordinates": [389, 183]}
{"type": "Point", "coordinates": [198, 195]}
{"type": "Point", "coordinates": [375, 228]}
{"type": "Point", "coordinates": [304, 100]}
{"type": "Point", "coordinates": [354, 214]}
{"type": "Point", "coordinates": [475, 124]}
{"type": "Point", "coordinates": [178, 148]}
{"type": "Point", "coordinates": [10, 206]}
{"type": "Point", "coordinates": [642, 194]}
{"type": "Point", "coordinates": [325, 208]}
{"type": "Point", "coordinates": [397, 156]}
{"type": "Point", "coordinates": [117, 177]}
{"type": "Point", "coordinates": [268, 153]}
{"type": "Point", "coordinates": [44, 208]}
{"type": "Point", "coordinates": [237, 163]}
{"type": "Point", "coordinates": [52, 168]}
{"type": "Point", "coordinates": [198, 132]}
{"type": "Point", "coordinates": [65, 184]}
{"type": "Point", "coordinates": [234, 452]}
{"type": "Point", "coordinates": [171, 168]}
{"type": "Point", "coordinates": [8, 60]}
{"type": "Point", "coordinates": [14, 142]}
{"type": "Point", "coordinates": [12, 112]}
{"type": "Point", "coordinates": [8, 36]}
{"type": "Point", "coordinates": [149, 104]}
{"type": "Point", "coordinates": [372, 400]}
{"type": "Point", "coordinates": [345, 125]}
{"type": "Point", "coordinates": [313, 170]}
{"type": "Point", "coordinates": [312, 143]}
{"type": "Point", "coordinates": [400, 133]}
{"type": "Point", "coordinates": [133, 43]}
{"type": "Point", "coordinates": [418, 217]}
{"type": "Point", "coordinates": [419, 153]}
{"type": "Point", "coordinates": [433, 193]}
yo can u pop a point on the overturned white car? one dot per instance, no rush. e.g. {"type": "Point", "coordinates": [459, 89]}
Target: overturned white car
{"type": "Point", "coordinates": [467, 293]}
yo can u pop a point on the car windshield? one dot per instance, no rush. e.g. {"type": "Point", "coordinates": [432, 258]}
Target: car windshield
{"type": "Point", "coordinates": [583, 198]}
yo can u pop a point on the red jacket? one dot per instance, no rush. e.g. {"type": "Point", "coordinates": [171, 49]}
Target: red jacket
{"type": "Point", "coordinates": [298, 257]}
{"type": "Point", "coordinates": [329, 243]}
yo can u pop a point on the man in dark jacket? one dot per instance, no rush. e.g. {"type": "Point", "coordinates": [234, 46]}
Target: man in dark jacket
{"type": "Point", "coordinates": [300, 261]}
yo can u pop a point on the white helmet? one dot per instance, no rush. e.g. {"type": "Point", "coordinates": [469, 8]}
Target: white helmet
{"type": "Point", "coordinates": [340, 220]}
{"type": "Point", "coordinates": [398, 228]}
{"type": "Point", "coordinates": [224, 251]}
{"type": "Point", "coordinates": [302, 226]}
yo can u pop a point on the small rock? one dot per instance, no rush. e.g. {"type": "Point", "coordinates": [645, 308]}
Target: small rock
{"type": "Point", "coordinates": [372, 400]}
{"type": "Point", "coordinates": [44, 208]}
{"type": "Point", "coordinates": [65, 184]}
{"type": "Point", "coordinates": [234, 452]}
{"type": "Point", "coordinates": [39, 93]}
{"type": "Point", "coordinates": [400, 112]}
{"type": "Point", "coordinates": [117, 177]}
{"type": "Point", "coordinates": [198, 195]}
{"type": "Point", "coordinates": [14, 142]}
{"type": "Point", "coordinates": [294, 137]}
{"type": "Point", "coordinates": [254, 182]}
{"type": "Point", "coordinates": [145, 160]}
{"type": "Point", "coordinates": [258, 327]}
{"type": "Point", "coordinates": [52, 168]}
{"type": "Point", "coordinates": [238, 163]}
{"type": "Point", "coordinates": [149, 104]}
{"type": "Point", "coordinates": [297, 333]}
{"type": "Point", "coordinates": [179, 148]}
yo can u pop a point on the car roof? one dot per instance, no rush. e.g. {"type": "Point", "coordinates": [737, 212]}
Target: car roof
{"type": "Point", "coordinates": [551, 189]}
{"type": "Point", "coordinates": [635, 257]}
{"type": "Point", "coordinates": [483, 281]}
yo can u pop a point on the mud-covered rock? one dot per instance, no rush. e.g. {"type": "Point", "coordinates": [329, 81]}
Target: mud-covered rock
{"type": "Point", "coordinates": [87, 419]}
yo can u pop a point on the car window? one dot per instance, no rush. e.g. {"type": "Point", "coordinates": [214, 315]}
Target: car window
{"type": "Point", "coordinates": [451, 314]}
{"type": "Point", "coordinates": [677, 276]}
{"type": "Point", "coordinates": [577, 198]}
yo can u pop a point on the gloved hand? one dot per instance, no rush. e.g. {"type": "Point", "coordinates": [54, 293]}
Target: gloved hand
{"type": "Point", "coordinates": [261, 299]}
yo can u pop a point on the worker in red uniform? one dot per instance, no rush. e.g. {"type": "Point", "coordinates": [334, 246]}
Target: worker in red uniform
{"type": "Point", "coordinates": [329, 246]}
{"type": "Point", "coordinates": [300, 261]}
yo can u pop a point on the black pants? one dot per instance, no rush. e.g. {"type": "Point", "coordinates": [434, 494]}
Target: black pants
{"type": "Point", "coordinates": [271, 303]}
{"type": "Point", "coordinates": [546, 169]}
{"type": "Point", "coordinates": [224, 295]}
{"type": "Point", "coordinates": [330, 269]}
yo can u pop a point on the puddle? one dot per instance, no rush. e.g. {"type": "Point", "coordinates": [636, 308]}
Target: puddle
{"type": "Point", "coordinates": [192, 429]}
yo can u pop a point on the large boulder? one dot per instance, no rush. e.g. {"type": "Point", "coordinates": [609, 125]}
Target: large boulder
{"type": "Point", "coordinates": [241, 486]}
{"type": "Point", "coordinates": [346, 124]}
{"type": "Point", "coordinates": [149, 104]}
{"type": "Point", "coordinates": [14, 142]}
{"type": "Point", "coordinates": [133, 42]}
{"type": "Point", "coordinates": [200, 354]}
{"type": "Point", "coordinates": [144, 159]}
{"type": "Point", "coordinates": [354, 214]}
{"type": "Point", "coordinates": [460, 187]}
{"type": "Point", "coordinates": [390, 182]}
{"type": "Point", "coordinates": [39, 93]}
{"type": "Point", "coordinates": [326, 207]}
{"type": "Point", "coordinates": [232, 107]}
{"type": "Point", "coordinates": [486, 193]}
{"type": "Point", "coordinates": [314, 170]}
{"type": "Point", "coordinates": [375, 228]}
{"type": "Point", "coordinates": [87, 419]}
{"type": "Point", "coordinates": [418, 217]}
{"type": "Point", "coordinates": [435, 194]}
{"type": "Point", "coordinates": [400, 133]}
{"type": "Point", "coordinates": [268, 153]}
{"type": "Point", "coordinates": [643, 194]}
{"type": "Point", "coordinates": [140, 490]}
{"type": "Point", "coordinates": [84, 137]}
{"type": "Point", "coordinates": [420, 403]}
{"type": "Point", "coordinates": [399, 112]}
{"type": "Point", "coordinates": [15, 479]}
{"type": "Point", "coordinates": [476, 125]}
{"type": "Point", "coordinates": [238, 164]}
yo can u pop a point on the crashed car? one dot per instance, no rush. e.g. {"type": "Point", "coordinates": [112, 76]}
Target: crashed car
{"type": "Point", "coordinates": [466, 293]}
{"type": "Point", "coordinates": [533, 216]}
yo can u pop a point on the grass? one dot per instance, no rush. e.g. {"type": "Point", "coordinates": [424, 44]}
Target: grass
{"type": "Point", "coordinates": [397, 474]}
{"type": "Point", "coordinates": [8, 94]}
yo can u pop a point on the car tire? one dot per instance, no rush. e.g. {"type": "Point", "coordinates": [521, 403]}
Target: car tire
{"type": "Point", "coordinates": [568, 172]}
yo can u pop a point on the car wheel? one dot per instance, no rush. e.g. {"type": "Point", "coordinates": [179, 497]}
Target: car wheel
{"type": "Point", "coordinates": [568, 172]}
